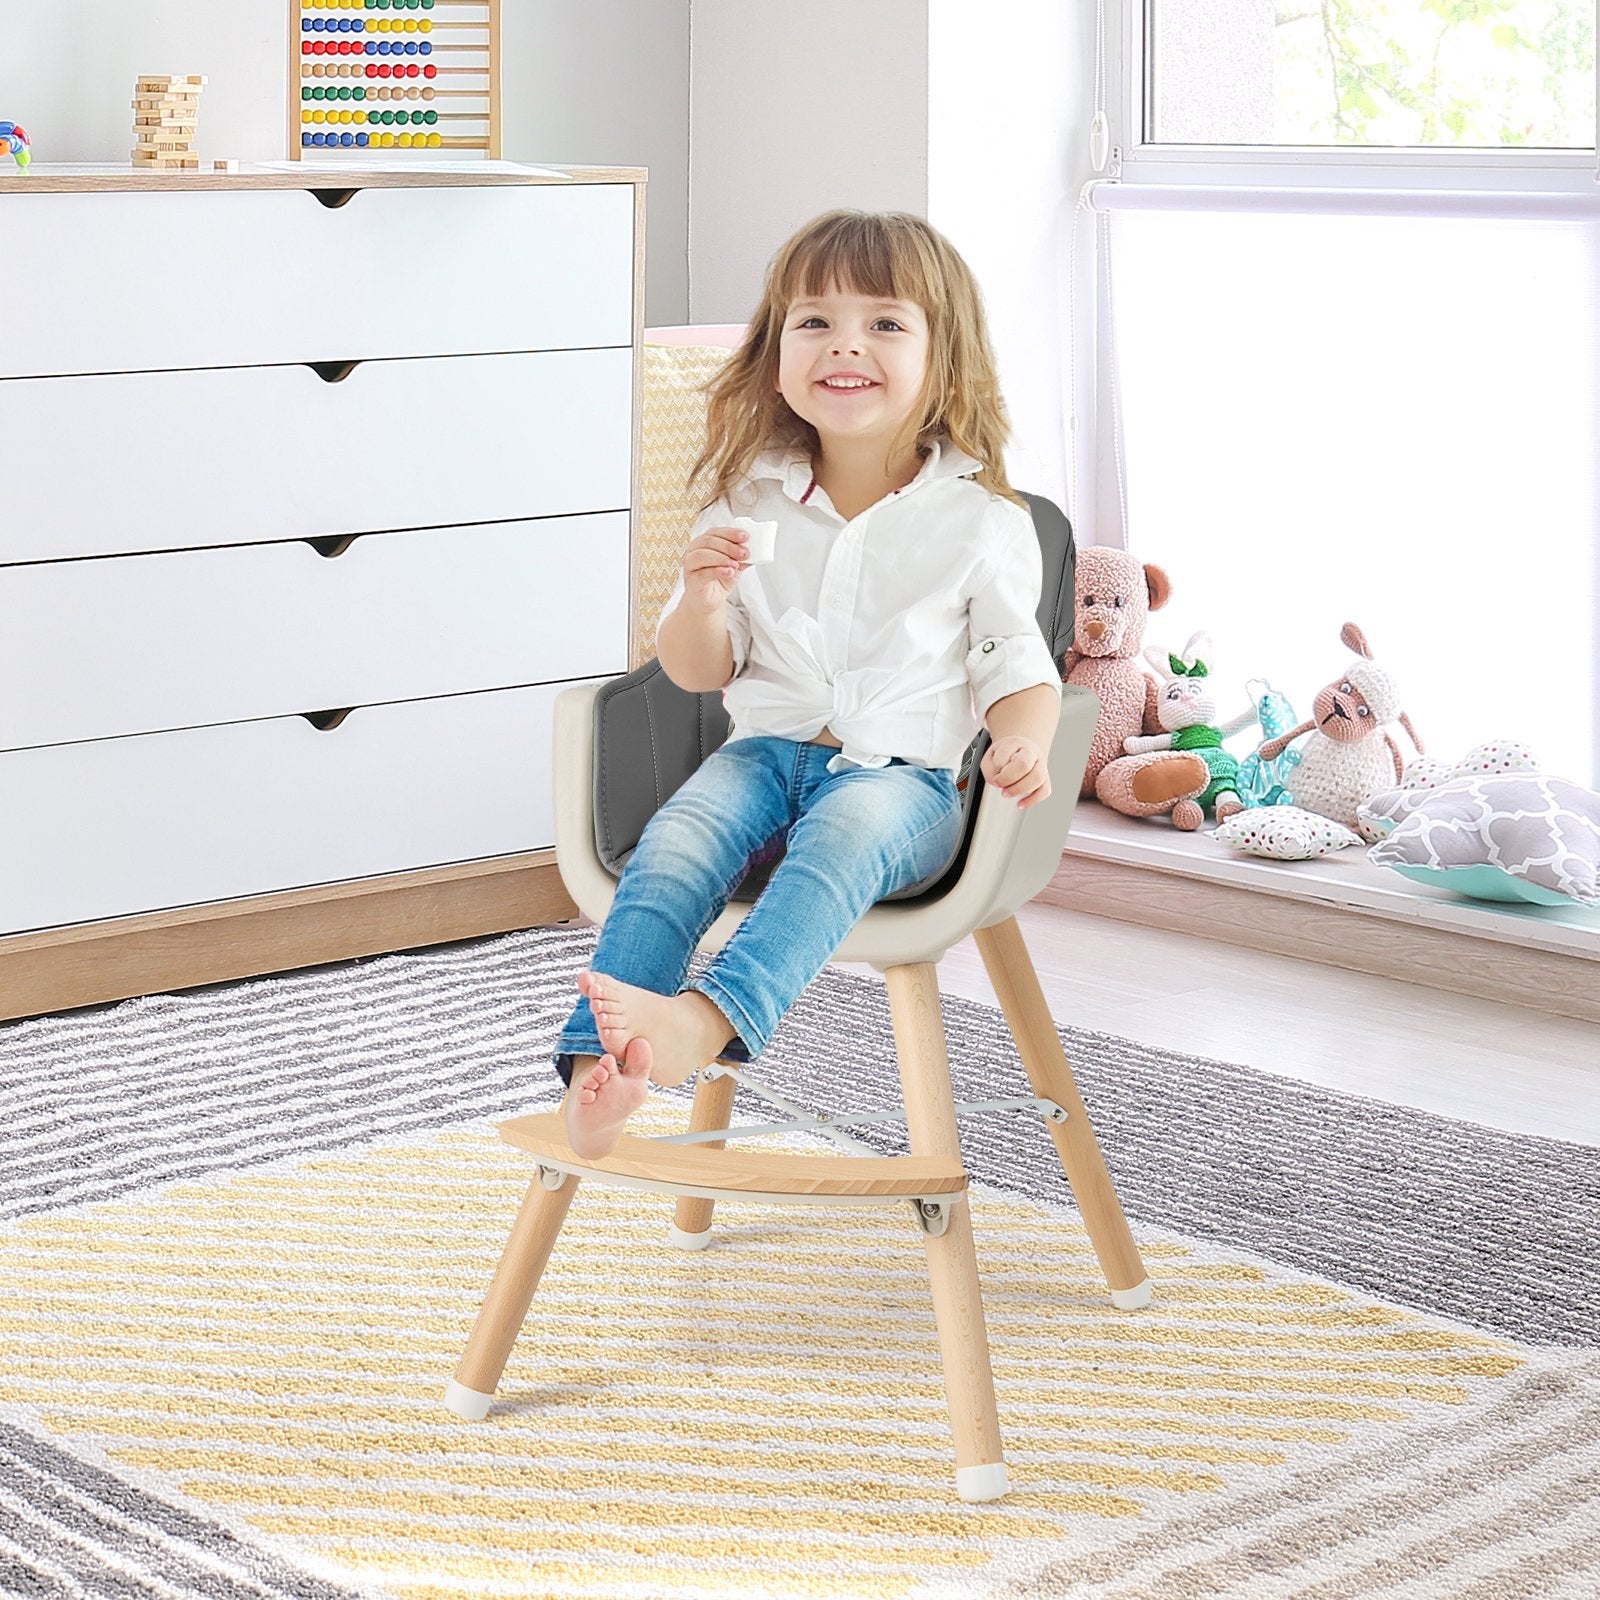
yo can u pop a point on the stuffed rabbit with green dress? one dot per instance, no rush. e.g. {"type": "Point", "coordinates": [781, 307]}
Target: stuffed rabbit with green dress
{"type": "Point", "coordinates": [1187, 710]}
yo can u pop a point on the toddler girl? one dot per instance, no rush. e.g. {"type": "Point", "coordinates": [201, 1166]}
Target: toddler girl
{"type": "Point", "coordinates": [861, 415]}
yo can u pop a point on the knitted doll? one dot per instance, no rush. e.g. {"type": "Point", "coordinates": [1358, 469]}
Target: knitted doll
{"type": "Point", "coordinates": [1349, 754]}
{"type": "Point", "coordinates": [1187, 710]}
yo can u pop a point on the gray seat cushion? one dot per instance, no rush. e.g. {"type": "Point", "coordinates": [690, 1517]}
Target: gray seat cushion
{"type": "Point", "coordinates": [650, 735]}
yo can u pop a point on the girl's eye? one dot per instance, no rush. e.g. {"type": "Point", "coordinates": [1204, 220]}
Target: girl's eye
{"type": "Point", "coordinates": [808, 321]}
{"type": "Point", "coordinates": [890, 320]}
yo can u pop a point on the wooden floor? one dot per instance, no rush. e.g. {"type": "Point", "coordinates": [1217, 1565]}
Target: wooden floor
{"type": "Point", "coordinates": [1477, 1060]}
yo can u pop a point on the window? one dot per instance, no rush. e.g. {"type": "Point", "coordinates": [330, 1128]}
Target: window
{"type": "Point", "coordinates": [1337, 350]}
{"type": "Point", "coordinates": [1490, 74]}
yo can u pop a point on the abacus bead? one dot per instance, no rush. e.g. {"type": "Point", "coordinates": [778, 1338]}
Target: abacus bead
{"type": "Point", "coordinates": [430, 117]}
{"type": "Point", "coordinates": [361, 140]}
{"type": "Point", "coordinates": [426, 48]}
{"type": "Point", "coordinates": [427, 94]}
{"type": "Point", "coordinates": [347, 139]}
{"type": "Point", "coordinates": [305, 139]}
{"type": "Point", "coordinates": [435, 140]}
{"type": "Point", "coordinates": [430, 71]}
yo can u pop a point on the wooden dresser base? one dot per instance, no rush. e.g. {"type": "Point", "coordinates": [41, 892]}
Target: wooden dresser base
{"type": "Point", "coordinates": [90, 964]}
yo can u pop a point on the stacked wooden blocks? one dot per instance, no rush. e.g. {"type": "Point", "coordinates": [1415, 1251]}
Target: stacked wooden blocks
{"type": "Point", "coordinates": [166, 114]}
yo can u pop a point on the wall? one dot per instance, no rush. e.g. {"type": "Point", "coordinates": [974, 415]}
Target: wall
{"type": "Point", "coordinates": [586, 82]}
{"type": "Point", "coordinates": [1008, 114]}
{"type": "Point", "coordinates": [795, 110]}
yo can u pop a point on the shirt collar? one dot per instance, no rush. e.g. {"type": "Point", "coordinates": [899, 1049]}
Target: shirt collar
{"type": "Point", "coordinates": [791, 466]}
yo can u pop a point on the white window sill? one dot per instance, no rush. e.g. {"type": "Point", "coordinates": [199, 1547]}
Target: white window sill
{"type": "Point", "coordinates": [1345, 881]}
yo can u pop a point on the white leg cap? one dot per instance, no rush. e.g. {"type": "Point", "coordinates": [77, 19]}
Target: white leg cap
{"type": "Point", "coordinates": [467, 1402]}
{"type": "Point", "coordinates": [1134, 1299]}
{"type": "Point", "coordinates": [981, 1483]}
{"type": "Point", "coordinates": [688, 1241]}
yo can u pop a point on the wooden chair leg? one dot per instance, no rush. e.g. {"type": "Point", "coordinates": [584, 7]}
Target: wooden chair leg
{"type": "Point", "coordinates": [1015, 982]}
{"type": "Point", "coordinates": [952, 1262]}
{"type": "Point", "coordinates": [505, 1307]}
{"type": "Point", "coordinates": [713, 1106]}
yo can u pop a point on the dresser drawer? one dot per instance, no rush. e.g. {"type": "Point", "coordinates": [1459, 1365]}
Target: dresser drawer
{"type": "Point", "coordinates": [119, 826]}
{"type": "Point", "coordinates": [237, 278]}
{"type": "Point", "coordinates": [134, 644]}
{"type": "Point", "coordinates": [172, 460]}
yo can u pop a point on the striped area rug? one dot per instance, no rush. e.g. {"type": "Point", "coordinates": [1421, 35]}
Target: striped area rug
{"type": "Point", "coordinates": [250, 1228]}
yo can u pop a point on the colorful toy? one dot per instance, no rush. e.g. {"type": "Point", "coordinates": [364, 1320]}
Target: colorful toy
{"type": "Point", "coordinates": [345, 54]}
{"type": "Point", "coordinates": [1187, 711]}
{"type": "Point", "coordinates": [15, 139]}
{"type": "Point", "coordinates": [1262, 782]}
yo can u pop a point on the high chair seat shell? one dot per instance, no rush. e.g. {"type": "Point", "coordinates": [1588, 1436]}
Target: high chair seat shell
{"type": "Point", "coordinates": [621, 748]}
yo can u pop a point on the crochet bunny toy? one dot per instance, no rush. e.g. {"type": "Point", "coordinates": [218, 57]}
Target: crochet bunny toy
{"type": "Point", "coordinates": [1187, 710]}
{"type": "Point", "coordinates": [1349, 754]}
{"type": "Point", "coordinates": [1114, 593]}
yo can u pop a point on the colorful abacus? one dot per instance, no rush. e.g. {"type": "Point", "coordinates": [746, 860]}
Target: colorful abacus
{"type": "Point", "coordinates": [394, 74]}
{"type": "Point", "coordinates": [166, 114]}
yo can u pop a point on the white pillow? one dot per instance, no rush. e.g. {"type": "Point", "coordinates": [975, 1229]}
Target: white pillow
{"type": "Point", "coordinates": [1285, 833]}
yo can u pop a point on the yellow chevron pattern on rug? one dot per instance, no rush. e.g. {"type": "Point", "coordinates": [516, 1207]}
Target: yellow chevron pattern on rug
{"type": "Point", "coordinates": [765, 1418]}
{"type": "Point", "coordinates": [672, 433]}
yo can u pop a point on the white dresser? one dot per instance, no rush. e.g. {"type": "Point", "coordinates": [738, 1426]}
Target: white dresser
{"type": "Point", "coordinates": [315, 489]}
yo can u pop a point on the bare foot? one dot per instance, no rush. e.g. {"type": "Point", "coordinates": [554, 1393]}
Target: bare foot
{"type": "Point", "coordinates": [599, 1106]}
{"type": "Point", "coordinates": [686, 1031]}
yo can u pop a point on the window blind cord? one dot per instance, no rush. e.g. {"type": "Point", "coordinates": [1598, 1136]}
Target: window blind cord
{"type": "Point", "coordinates": [1106, 341]}
{"type": "Point", "coordinates": [1099, 129]}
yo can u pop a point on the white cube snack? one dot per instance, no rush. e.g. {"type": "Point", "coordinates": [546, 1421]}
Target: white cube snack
{"type": "Point", "coordinates": [763, 539]}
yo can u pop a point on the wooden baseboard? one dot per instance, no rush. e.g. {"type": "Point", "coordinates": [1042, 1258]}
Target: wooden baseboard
{"type": "Point", "coordinates": [62, 968]}
{"type": "Point", "coordinates": [1564, 984]}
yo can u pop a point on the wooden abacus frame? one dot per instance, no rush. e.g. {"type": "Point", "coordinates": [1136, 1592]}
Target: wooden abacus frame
{"type": "Point", "coordinates": [302, 71]}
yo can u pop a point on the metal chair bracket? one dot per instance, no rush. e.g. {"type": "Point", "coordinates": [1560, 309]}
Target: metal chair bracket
{"type": "Point", "coordinates": [933, 1216]}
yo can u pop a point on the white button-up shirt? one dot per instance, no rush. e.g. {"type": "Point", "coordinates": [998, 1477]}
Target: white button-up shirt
{"type": "Point", "coordinates": [898, 628]}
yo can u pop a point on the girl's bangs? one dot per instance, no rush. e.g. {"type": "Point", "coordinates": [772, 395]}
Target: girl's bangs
{"type": "Point", "coordinates": [866, 260]}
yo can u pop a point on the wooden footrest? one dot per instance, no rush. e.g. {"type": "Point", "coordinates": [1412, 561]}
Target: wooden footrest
{"type": "Point", "coordinates": [648, 1163]}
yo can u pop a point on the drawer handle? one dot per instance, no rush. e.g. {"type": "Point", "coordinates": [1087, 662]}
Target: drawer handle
{"type": "Point", "coordinates": [333, 544]}
{"type": "Point", "coordinates": [333, 371]}
{"type": "Point", "coordinates": [327, 721]}
{"type": "Point", "coordinates": [334, 198]}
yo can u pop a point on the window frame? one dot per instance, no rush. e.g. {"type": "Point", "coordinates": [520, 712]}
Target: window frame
{"type": "Point", "coordinates": [1133, 159]}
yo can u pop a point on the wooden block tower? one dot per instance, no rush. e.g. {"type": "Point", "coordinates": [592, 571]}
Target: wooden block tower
{"type": "Point", "coordinates": [166, 114]}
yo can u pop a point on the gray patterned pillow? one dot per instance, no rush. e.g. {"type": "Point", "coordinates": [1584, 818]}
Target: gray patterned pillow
{"type": "Point", "coordinates": [1494, 835]}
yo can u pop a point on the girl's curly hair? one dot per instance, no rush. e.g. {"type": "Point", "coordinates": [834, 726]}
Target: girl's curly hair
{"type": "Point", "coordinates": [891, 255]}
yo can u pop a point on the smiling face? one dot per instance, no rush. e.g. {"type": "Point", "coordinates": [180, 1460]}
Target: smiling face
{"type": "Point", "coordinates": [853, 366]}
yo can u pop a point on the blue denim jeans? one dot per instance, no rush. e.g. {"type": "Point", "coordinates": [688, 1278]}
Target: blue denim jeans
{"type": "Point", "coordinates": [852, 837]}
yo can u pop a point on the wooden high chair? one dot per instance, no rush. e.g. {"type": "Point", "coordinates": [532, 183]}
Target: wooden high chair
{"type": "Point", "coordinates": [1005, 857]}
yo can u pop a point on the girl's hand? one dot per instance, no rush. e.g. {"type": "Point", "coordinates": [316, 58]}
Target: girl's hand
{"type": "Point", "coordinates": [711, 567]}
{"type": "Point", "coordinates": [1016, 766]}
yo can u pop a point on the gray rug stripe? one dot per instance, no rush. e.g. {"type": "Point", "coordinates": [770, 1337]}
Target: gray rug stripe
{"type": "Point", "coordinates": [71, 1528]}
{"type": "Point", "coordinates": [1498, 1230]}
{"type": "Point", "coordinates": [1452, 1510]}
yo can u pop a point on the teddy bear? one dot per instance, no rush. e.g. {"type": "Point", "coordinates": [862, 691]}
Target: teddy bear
{"type": "Point", "coordinates": [1114, 593]}
{"type": "Point", "coordinates": [1187, 710]}
{"type": "Point", "coordinates": [1350, 755]}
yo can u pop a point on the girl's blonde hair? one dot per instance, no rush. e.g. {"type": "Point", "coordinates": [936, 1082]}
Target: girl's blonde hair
{"type": "Point", "coordinates": [889, 255]}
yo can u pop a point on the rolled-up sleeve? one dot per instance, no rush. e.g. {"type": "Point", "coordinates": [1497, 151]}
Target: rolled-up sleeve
{"type": "Point", "coordinates": [1005, 649]}
{"type": "Point", "coordinates": [717, 515]}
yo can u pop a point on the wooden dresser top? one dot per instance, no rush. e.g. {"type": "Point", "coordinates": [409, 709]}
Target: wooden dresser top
{"type": "Point", "coordinates": [42, 178]}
